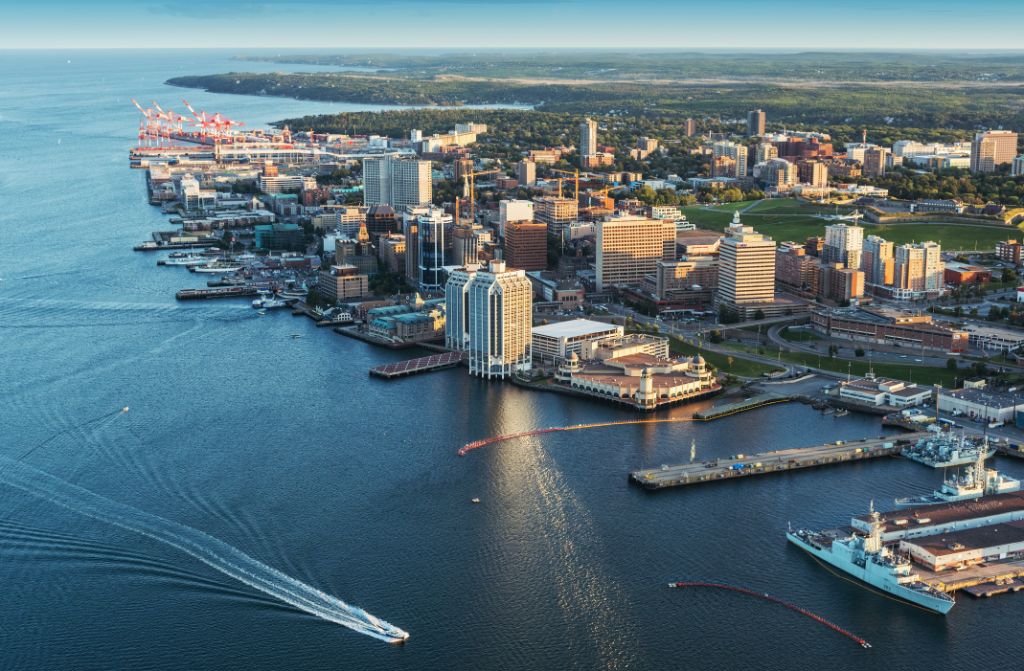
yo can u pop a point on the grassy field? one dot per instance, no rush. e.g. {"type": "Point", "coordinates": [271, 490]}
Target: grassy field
{"type": "Point", "coordinates": [739, 366]}
{"type": "Point", "coordinates": [788, 219]}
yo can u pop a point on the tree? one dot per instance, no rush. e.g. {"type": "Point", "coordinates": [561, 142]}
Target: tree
{"type": "Point", "coordinates": [859, 351]}
{"type": "Point", "coordinates": [715, 336]}
{"type": "Point", "coordinates": [759, 314]}
{"type": "Point", "coordinates": [728, 316]}
{"type": "Point", "coordinates": [951, 364]}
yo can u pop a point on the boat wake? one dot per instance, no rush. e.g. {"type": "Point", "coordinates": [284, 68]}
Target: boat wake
{"type": "Point", "coordinates": [211, 551]}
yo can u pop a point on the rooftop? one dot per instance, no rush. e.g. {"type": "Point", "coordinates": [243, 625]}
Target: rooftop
{"type": "Point", "coordinates": [574, 328]}
{"type": "Point", "coordinates": [950, 512]}
{"type": "Point", "coordinates": [971, 539]}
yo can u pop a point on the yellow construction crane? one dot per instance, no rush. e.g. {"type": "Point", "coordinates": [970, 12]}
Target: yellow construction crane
{"type": "Point", "coordinates": [598, 193]}
{"type": "Point", "coordinates": [576, 178]}
{"type": "Point", "coordinates": [470, 178]}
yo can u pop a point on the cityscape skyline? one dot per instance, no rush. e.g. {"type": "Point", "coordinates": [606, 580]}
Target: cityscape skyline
{"type": "Point", "coordinates": [524, 23]}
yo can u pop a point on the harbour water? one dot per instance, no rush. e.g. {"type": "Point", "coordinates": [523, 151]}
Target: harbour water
{"type": "Point", "coordinates": [288, 451]}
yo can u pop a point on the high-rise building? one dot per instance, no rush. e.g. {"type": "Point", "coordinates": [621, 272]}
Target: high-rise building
{"type": "Point", "coordinates": [746, 275]}
{"type": "Point", "coordinates": [341, 282]}
{"type": "Point", "coordinates": [918, 269]}
{"type": "Point", "coordinates": [391, 250]}
{"type": "Point", "coordinates": [398, 181]}
{"type": "Point", "coordinates": [840, 283]}
{"type": "Point", "coordinates": [796, 268]}
{"type": "Point", "coordinates": [878, 261]}
{"type": "Point", "coordinates": [733, 151]}
{"type": "Point", "coordinates": [814, 173]}
{"type": "Point", "coordinates": [992, 149]}
{"type": "Point", "coordinates": [526, 172]}
{"type": "Point", "coordinates": [765, 152]}
{"type": "Point", "coordinates": [513, 210]}
{"type": "Point", "coordinates": [526, 245]}
{"type": "Point", "coordinates": [875, 161]}
{"type": "Point", "coordinates": [691, 127]}
{"type": "Point", "coordinates": [1017, 167]}
{"type": "Point", "coordinates": [843, 244]}
{"type": "Point", "coordinates": [629, 247]}
{"type": "Point", "coordinates": [456, 301]}
{"type": "Point", "coordinates": [500, 310]}
{"type": "Point", "coordinates": [755, 123]}
{"type": "Point", "coordinates": [778, 174]}
{"type": "Point", "coordinates": [588, 138]}
{"type": "Point", "coordinates": [557, 213]}
{"type": "Point", "coordinates": [465, 244]}
{"type": "Point", "coordinates": [430, 243]}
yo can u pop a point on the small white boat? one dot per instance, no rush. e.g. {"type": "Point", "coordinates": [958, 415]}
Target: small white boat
{"type": "Point", "coordinates": [474, 500]}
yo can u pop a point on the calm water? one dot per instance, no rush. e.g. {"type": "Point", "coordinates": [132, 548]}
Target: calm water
{"type": "Point", "coordinates": [286, 449]}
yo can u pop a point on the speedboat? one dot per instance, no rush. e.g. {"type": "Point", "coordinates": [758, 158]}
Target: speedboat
{"type": "Point", "coordinates": [268, 301]}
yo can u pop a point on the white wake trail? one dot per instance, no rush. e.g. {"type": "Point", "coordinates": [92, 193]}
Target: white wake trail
{"type": "Point", "coordinates": [215, 553]}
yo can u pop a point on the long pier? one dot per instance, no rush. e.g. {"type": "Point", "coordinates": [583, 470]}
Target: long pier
{"type": "Point", "coordinates": [220, 292]}
{"type": "Point", "coordinates": [744, 466]}
{"type": "Point", "coordinates": [420, 365]}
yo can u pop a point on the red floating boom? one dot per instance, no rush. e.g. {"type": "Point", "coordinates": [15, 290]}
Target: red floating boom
{"type": "Point", "coordinates": [767, 597]}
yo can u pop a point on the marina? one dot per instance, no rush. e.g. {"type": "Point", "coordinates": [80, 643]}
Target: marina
{"type": "Point", "coordinates": [743, 466]}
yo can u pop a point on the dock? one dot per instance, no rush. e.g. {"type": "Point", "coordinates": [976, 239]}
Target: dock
{"type": "Point", "coordinates": [751, 403]}
{"type": "Point", "coordinates": [744, 466]}
{"type": "Point", "coordinates": [420, 365]}
{"type": "Point", "coordinates": [221, 292]}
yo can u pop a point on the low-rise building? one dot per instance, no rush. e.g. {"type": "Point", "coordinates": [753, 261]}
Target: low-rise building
{"type": "Point", "coordinates": [888, 327]}
{"type": "Point", "coordinates": [410, 327]}
{"type": "Point", "coordinates": [957, 273]}
{"type": "Point", "coordinates": [555, 342]}
{"type": "Point", "coordinates": [964, 548]}
{"type": "Point", "coordinates": [980, 404]}
{"type": "Point", "coordinates": [994, 338]}
{"type": "Point", "coordinates": [881, 391]}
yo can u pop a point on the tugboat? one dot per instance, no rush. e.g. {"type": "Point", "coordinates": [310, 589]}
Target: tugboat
{"type": "Point", "coordinates": [975, 481]}
{"type": "Point", "coordinates": [871, 562]}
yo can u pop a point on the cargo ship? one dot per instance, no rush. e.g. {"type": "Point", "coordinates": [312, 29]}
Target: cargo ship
{"type": "Point", "coordinates": [944, 450]}
{"type": "Point", "coordinates": [870, 561]}
{"type": "Point", "coordinates": [974, 482]}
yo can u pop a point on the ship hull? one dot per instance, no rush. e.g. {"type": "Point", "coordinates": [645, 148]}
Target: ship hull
{"type": "Point", "coordinates": [925, 601]}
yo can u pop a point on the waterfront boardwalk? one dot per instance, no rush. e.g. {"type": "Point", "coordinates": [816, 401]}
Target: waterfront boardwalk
{"type": "Point", "coordinates": [742, 466]}
{"type": "Point", "coordinates": [420, 365]}
{"type": "Point", "coordinates": [740, 406]}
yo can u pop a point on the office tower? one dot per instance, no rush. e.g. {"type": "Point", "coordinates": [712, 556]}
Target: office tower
{"type": "Point", "coordinates": [755, 123]}
{"type": "Point", "coordinates": [456, 303]}
{"type": "Point", "coordinates": [526, 245]}
{"type": "Point", "coordinates": [843, 244]}
{"type": "Point", "coordinates": [430, 232]}
{"type": "Point", "coordinates": [878, 260]}
{"type": "Point", "coordinates": [765, 152]}
{"type": "Point", "coordinates": [992, 149]}
{"type": "Point", "coordinates": [526, 172]}
{"type": "Point", "coordinates": [397, 181]}
{"type": "Point", "coordinates": [746, 275]}
{"type": "Point", "coordinates": [391, 250]}
{"type": "Point", "coordinates": [557, 213]}
{"type": "Point", "coordinates": [382, 220]}
{"type": "Point", "coordinates": [734, 152]}
{"type": "Point", "coordinates": [1017, 167]}
{"type": "Point", "coordinates": [629, 247]}
{"type": "Point", "coordinates": [500, 321]}
{"type": "Point", "coordinates": [588, 139]}
{"type": "Point", "coordinates": [691, 127]}
{"type": "Point", "coordinates": [513, 210]}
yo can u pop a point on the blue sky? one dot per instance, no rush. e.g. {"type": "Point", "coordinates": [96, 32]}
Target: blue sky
{"type": "Point", "coordinates": [298, 24]}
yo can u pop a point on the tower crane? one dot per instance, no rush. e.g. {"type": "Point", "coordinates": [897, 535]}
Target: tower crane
{"type": "Point", "coordinates": [470, 177]}
{"type": "Point", "coordinates": [576, 179]}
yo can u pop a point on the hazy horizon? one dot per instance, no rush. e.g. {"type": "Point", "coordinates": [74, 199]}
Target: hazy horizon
{"type": "Point", "coordinates": [600, 25]}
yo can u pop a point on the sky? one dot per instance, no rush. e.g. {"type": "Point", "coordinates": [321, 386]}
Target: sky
{"type": "Point", "coordinates": [446, 24]}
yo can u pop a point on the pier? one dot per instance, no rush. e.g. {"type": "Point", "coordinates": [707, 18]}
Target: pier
{"type": "Point", "coordinates": [221, 292]}
{"type": "Point", "coordinates": [743, 466]}
{"type": "Point", "coordinates": [420, 365]}
{"type": "Point", "coordinates": [751, 403]}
